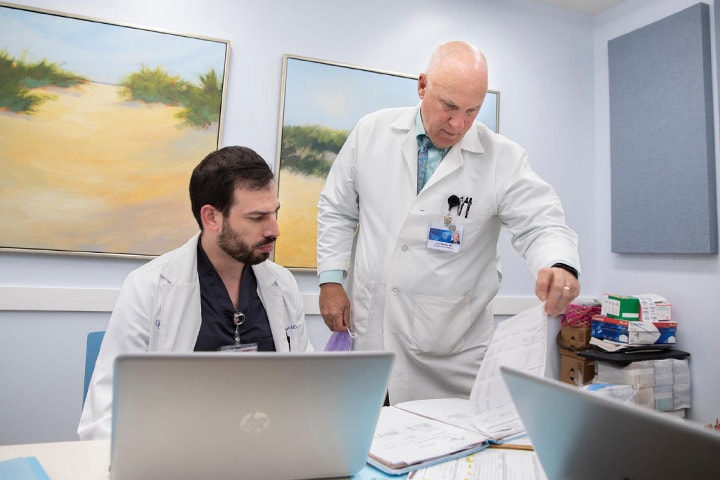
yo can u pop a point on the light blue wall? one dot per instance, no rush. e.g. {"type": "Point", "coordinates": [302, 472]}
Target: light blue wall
{"type": "Point", "coordinates": [691, 282]}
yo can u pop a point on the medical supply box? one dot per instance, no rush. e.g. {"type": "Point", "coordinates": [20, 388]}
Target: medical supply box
{"type": "Point", "coordinates": [622, 307]}
{"type": "Point", "coordinates": [648, 307]}
{"type": "Point", "coordinates": [633, 332]}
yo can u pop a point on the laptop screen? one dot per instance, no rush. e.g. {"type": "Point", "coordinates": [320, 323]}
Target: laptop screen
{"type": "Point", "coordinates": [580, 434]}
{"type": "Point", "coordinates": [245, 415]}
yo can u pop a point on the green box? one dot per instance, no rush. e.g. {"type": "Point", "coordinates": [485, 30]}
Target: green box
{"type": "Point", "coordinates": [622, 307]}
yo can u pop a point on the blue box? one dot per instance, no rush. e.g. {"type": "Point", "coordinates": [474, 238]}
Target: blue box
{"type": "Point", "coordinates": [633, 332]}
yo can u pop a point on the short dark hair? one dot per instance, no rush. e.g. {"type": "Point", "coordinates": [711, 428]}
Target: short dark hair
{"type": "Point", "coordinates": [215, 178]}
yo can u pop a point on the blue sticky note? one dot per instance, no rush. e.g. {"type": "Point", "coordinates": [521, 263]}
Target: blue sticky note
{"type": "Point", "coordinates": [23, 468]}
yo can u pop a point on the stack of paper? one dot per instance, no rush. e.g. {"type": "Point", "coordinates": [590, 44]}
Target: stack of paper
{"type": "Point", "coordinates": [491, 464]}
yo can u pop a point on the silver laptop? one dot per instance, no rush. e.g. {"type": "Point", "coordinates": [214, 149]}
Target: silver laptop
{"type": "Point", "coordinates": [245, 415]}
{"type": "Point", "coordinates": [582, 435]}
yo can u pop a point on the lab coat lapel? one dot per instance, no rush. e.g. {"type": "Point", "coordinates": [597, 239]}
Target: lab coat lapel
{"type": "Point", "coordinates": [184, 269]}
{"type": "Point", "coordinates": [452, 161]}
{"type": "Point", "coordinates": [454, 158]}
{"type": "Point", "coordinates": [270, 294]}
{"type": "Point", "coordinates": [179, 320]}
{"type": "Point", "coordinates": [405, 125]}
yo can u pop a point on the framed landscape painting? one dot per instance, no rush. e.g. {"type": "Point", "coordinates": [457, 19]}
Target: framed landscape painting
{"type": "Point", "coordinates": [100, 127]}
{"type": "Point", "coordinates": [321, 102]}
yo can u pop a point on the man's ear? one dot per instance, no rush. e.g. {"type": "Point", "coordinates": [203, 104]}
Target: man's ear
{"type": "Point", "coordinates": [422, 85]}
{"type": "Point", "coordinates": [211, 218]}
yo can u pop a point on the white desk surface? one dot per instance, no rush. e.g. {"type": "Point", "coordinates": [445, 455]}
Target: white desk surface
{"type": "Point", "coordinates": [88, 460]}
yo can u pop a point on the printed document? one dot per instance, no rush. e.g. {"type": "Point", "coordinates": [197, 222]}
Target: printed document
{"type": "Point", "coordinates": [490, 464]}
{"type": "Point", "coordinates": [519, 342]}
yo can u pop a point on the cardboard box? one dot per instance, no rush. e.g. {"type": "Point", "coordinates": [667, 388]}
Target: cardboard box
{"type": "Point", "coordinates": [654, 310]}
{"type": "Point", "coordinates": [648, 307]}
{"type": "Point", "coordinates": [574, 338]}
{"type": "Point", "coordinates": [622, 307]}
{"type": "Point", "coordinates": [574, 369]}
{"type": "Point", "coordinates": [664, 312]}
{"type": "Point", "coordinates": [633, 332]}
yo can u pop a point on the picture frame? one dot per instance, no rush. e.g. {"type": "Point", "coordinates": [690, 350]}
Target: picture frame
{"type": "Point", "coordinates": [320, 103]}
{"type": "Point", "coordinates": [101, 125]}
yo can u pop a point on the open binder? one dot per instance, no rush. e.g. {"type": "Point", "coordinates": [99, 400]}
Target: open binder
{"type": "Point", "coordinates": [408, 437]}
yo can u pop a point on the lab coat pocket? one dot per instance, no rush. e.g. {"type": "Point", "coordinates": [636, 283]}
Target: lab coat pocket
{"type": "Point", "coordinates": [475, 227]}
{"type": "Point", "coordinates": [440, 324]}
{"type": "Point", "coordinates": [361, 303]}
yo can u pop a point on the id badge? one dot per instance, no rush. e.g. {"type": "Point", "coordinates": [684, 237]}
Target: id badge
{"type": "Point", "coordinates": [239, 347]}
{"type": "Point", "coordinates": [442, 237]}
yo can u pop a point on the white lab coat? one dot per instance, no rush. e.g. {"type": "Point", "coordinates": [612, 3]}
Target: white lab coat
{"type": "Point", "coordinates": [158, 310]}
{"type": "Point", "coordinates": [430, 307]}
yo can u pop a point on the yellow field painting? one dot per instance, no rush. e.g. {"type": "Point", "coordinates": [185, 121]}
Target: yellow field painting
{"type": "Point", "coordinates": [297, 218]}
{"type": "Point", "coordinates": [91, 172]}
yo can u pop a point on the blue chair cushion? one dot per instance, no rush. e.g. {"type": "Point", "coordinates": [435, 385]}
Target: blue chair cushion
{"type": "Point", "coordinates": [94, 340]}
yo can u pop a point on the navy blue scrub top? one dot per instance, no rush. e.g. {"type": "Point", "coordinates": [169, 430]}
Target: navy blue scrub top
{"type": "Point", "coordinates": [217, 328]}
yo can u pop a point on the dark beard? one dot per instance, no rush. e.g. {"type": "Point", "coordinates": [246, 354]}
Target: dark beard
{"type": "Point", "coordinates": [240, 251]}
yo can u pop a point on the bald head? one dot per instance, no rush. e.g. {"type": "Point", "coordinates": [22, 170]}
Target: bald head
{"type": "Point", "coordinates": [457, 57]}
{"type": "Point", "coordinates": [452, 90]}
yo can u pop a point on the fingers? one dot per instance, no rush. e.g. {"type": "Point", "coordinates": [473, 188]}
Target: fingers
{"type": "Point", "coordinates": [557, 288]}
{"type": "Point", "coordinates": [334, 306]}
{"type": "Point", "coordinates": [340, 321]}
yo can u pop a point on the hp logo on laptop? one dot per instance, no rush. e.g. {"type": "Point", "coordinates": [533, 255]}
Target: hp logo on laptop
{"type": "Point", "coordinates": [254, 422]}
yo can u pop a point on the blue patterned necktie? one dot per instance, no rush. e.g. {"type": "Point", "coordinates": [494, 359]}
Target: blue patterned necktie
{"type": "Point", "coordinates": [422, 161]}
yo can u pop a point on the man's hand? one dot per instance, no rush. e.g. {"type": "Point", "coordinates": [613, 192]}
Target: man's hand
{"type": "Point", "coordinates": [335, 306]}
{"type": "Point", "coordinates": [557, 288]}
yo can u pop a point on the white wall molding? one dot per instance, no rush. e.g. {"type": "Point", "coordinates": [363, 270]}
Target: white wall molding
{"type": "Point", "coordinates": [58, 299]}
{"type": "Point", "coordinates": [43, 299]}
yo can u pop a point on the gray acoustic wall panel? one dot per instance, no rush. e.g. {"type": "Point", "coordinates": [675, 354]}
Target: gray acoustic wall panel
{"type": "Point", "coordinates": [662, 137]}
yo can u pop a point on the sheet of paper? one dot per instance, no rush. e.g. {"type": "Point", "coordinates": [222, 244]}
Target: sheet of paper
{"type": "Point", "coordinates": [403, 438]}
{"type": "Point", "coordinates": [455, 411]}
{"type": "Point", "coordinates": [519, 342]}
{"type": "Point", "coordinates": [486, 465]}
